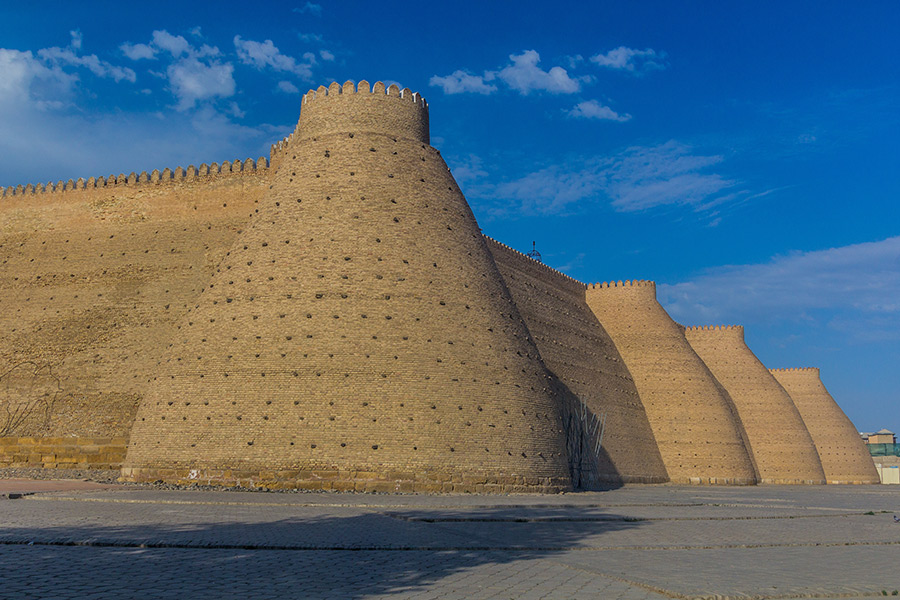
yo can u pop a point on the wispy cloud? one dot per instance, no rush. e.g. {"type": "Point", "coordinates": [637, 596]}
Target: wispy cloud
{"type": "Point", "coordinates": [288, 87]}
{"type": "Point", "coordinates": [592, 109]}
{"type": "Point", "coordinates": [859, 284]}
{"type": "Point", "coordinates": [631, 60]}
{"type": "Point", "coordinates": [525, 76]}
{"type": "Point", "coordinates": [522, 74]}
{"type": "Point", "coordinates": [310, 9]}
{"type": "Point", "coordinates": [639, 178]}
{"type": "Point", "coordinates": [70, 56]}
{"type": "Point", "coordinates": [461, 82]}
{"type": "Point", "coordinates": [262, 55]}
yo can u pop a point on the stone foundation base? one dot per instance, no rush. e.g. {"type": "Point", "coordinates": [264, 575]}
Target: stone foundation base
{"type": "Point", "coordinates": [62, 453]}
{"type": "Point", "coordinates": [713, 481]}
{"type": "Point", "coordinates": [349, 481]}
{"type": "Point", "coordinates": [778, 481]}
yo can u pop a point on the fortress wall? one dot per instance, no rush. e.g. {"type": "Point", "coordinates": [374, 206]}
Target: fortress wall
{"type": "Point", "coordinates": [360, 109]}
{"type": "Point", "coordinates": [577, 349]}
{"type": "Point", "coordinates": [781, 446]}
{"type": "Point", "coordinates": [94, 277]}
{"type": "Point", "coordinates": [844, 457]}
{"type": "Point", "coordinates": [700, 437]}
{"type": "Point", "coordinates": [357, 335]}
{"type": "Point", "coordinates": [62, 452]}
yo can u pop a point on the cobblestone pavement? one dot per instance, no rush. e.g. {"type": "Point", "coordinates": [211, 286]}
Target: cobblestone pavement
{"type": "Point", "coordinates": [633, 542]}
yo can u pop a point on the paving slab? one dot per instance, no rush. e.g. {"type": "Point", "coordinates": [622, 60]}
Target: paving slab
{"type": "Point", "coordinates": [766, 542]}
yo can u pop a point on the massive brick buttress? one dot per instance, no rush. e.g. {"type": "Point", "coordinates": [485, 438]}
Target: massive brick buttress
{"type": "Point", "coordinates": [696, 426]}
{"type": "Point", "coordinates": [780, 445]}
{"type": "Point", "coordinates": [577, 349]}
{"type": "Point", "coordinates": [357, 333]}
{"type": "Point", "coordinates": [844, 457]}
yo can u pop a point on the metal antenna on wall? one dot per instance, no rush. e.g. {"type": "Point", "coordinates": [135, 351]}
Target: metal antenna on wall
{"type": "Point", "coordinates": [534, 253]}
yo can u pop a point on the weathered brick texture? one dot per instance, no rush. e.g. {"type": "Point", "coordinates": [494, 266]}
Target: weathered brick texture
{"type": "Point", "coordinates": [332, 318]}
{"type": "Point", "coordinates": [700, 437]}
{"type": "Point", "coordinates": [577, 349]}
{"type": "Point", "coordinates": [358, 328]}
{"type": "Point", "coordinates": [844, 457]}
{"type": "Point", "coordinates": [780, 445]}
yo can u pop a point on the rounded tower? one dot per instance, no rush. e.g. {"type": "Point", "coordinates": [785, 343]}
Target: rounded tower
{"type": "Point", "coordinates": [780, 444]}
{"type": "Point", "coordinates": [700, 436]}
{"type": "Point", "coordinates": [358, 334]}
{"type": "Point", "coordinates": [844, 457]}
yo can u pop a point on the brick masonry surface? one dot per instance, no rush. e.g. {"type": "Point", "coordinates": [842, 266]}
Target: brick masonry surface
{"type": "Point", "coordinates": [330, 317]}
{"type": "Point", "coordinates": [844, 457]}
{"type": "Point", "coordinates": [699, 435]}
{"type": "Point", "coordinates": [780, 444]}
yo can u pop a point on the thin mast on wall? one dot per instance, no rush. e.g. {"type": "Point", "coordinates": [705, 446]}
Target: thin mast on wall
{"type": "Point", "coordinates": [534, 253]}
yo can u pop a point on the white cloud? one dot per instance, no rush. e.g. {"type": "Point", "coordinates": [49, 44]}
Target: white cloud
{"type": "Point", "coordinates": [265, 54]}
{"type": "Point", "coordinates": [69, 56]}
{"type": "Point", "coordinates": [858, 283]}
{"type": "Point", "coordinates": [138, 51]}
{"type": "Point", "coordinates": [193, 80]}
{"type": "Point", "coordinates": [592, 109]}
{"type": "Point", "coordinates": [326, 55]}
{"type": "Point", "coordinates": [175, 45]}
{"type": "Point", "coordinates": [629, 59]}
{"type": "Point", "coordinates": [524, 75]}
{"type": "Point", "coordinates": [670, 173]}
{"type": "Point", "coordinates": [27, 81]}
{"type": "Point", "coordinates": [460, 82]}
{"type": "Point", "coordinates": [100, 68]}
{"type": "Point", "coordinates": [639, 178]}
{"type": "Point", "coordinates": [309, 37]}
{"type": "Point", "coordinates": [288, 87]}
{"type": "Point", "coordinates": [310, 8]}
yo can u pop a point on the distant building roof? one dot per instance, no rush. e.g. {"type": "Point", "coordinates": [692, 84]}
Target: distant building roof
{"type": "Point", "coordinates": [883, 432]}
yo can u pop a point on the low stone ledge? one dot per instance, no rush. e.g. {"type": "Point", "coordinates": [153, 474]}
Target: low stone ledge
{"type": "Point", "coordinates": [346, 481]}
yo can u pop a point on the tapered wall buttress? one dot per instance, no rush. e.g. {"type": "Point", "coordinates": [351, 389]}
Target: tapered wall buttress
{"type": "Point", "coordinates": [844, 457]}
{"type": "Point", "coordinates": [780, 444]}
{"type": "Point", "coordinates": [699, 434]}
{"type": "Point", "coordinates": [577, 349]}
{"type": "Point", "coordinates": [357, 333]}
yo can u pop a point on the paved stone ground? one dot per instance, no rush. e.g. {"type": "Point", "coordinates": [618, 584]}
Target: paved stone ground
{"type": "Point", "coordinates": [634, 542]}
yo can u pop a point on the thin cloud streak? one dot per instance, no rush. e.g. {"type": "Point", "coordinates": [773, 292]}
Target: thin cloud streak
{"type": "Point", "coordinates": [859, 283]}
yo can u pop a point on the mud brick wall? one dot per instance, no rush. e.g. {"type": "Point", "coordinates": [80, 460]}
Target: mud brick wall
{"type": "Point", "coordinates": [62, 452]}
{"type": "Point", "coordinates": [844, 456]}
{"type": "Point", "coordinates": [93, 277]}
{"type": "Point", "coordinates": [357, 334]}
{"type": "Point", "coordinates": [782, 448]}
{"type": "Point", "coordinates": [577, 349]}
{"type": "Point", "coordinates": [700, 436]}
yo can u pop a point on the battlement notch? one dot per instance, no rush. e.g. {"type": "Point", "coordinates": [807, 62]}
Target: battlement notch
{"type": "Point", "coordinates": [352, 108]}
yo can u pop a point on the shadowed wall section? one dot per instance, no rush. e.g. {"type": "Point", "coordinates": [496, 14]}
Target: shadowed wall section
{"type": "Point", "coordinates": [577, 349]}
{"type": "Point", "coordinates": [782, 448]}
{"type": "Point", "coordinates": [699, 435]}
{"type": "Point", "coordinates": [357, 334]}
{"type": "Point", "coordinates": [844, 457]}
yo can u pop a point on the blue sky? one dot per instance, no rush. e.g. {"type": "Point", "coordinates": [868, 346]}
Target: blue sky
{"type": "Point", "coordinates": [744, 157]}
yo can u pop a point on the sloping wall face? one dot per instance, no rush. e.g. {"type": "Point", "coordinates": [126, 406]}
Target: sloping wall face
{"type": "Point", "coordinates": [357, 335]}
{"type": "Point", "coordinates": [577, 349]}
{"type": "Point", "coordinates": [782, 448]}
{"type": "Point", "coordinates": [699, 434]}
{"type": "Point", "coordinates": [92, 283]}
{"type": "Point", "coordinates": [844, 457]}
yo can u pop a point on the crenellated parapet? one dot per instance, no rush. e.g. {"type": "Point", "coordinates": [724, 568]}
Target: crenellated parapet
{"type": "Point", "coordinates": [536, 263]}
{"type": "Point", "coordinates": [155, 177]}
{"type": "Point", "coordinates": [715, 331]}
{"type": "Point", "coordinates": [351, 108]}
